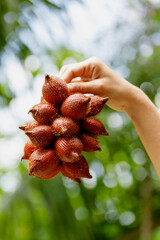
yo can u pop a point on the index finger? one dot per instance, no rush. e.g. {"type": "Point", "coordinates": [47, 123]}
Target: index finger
{"type": "Point", "coordinates": [75, 70]}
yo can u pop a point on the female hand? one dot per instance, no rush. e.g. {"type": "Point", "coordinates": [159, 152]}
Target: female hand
{"type": "Point", "coordinates": [93, 76]}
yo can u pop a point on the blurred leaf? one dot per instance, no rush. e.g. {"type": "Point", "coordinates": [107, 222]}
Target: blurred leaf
{"type": "Point", "coordinates": [6, 94]}
{"type": "Point", "coordinates": [157, 16]}
{"type": "Point", "coordinates": [51, 4]}
{"type": "Point", "coordinates": [62, 53]}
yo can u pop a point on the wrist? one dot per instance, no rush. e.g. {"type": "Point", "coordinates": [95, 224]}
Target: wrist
{"type": "Point", "coordinates": [136, 101]}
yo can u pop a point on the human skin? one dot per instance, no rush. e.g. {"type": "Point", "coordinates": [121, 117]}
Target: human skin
{"type": "Point", "coordinates": [95, 77]}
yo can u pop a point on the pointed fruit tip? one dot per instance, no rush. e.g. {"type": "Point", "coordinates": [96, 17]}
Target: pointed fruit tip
{"type": "Point", "coordinates": [89, 176]}
{"type": "Point", "coordinates": [23, 157]}
{"type": "Point", "coordinates": [28, 133]}
{"type": "Point", "coordinates": [99, 149]}
{"type": "Point", "coordinates": [22, 127]}
{"type": "Point", "coordinates": [105, 133]}
{"type": "Point", "coordinates": [31, 171]}
{"type": "Point", "coordinates": [77, 180]}
{"type": "Point", "coordinates": [32, 110]}
{"type": "Point", "coordinates": [47, 77]}
{"type": "Point", "coordinates": [105, 100]}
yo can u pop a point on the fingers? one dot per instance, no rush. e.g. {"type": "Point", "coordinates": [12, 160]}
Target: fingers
{"type": "Point", "coordinates": [93, 87]}
{"type": "Point", "coordinates": [80, 79]}
{"type": "Point", "coordinates": [73, 71]}
{"type": "Point", "coordinates": [83, 69]}
{"type": "Point", "coordinates": [64, 69]}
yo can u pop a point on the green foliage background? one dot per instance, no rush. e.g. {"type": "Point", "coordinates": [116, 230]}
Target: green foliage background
{"type": "Point", "coordinates": [58, 208]}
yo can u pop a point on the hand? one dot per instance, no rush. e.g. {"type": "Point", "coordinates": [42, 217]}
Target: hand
{"type": "Point", "coordinates": [93, 76]}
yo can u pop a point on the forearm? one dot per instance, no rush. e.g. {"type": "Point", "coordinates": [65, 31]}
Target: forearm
{"type": "Point", "coordinates": [146, 120]}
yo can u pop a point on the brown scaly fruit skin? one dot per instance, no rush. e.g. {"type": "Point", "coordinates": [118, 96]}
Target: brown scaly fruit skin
{"type": "Point", "coordinates": [68, 149]}
{"type": "Point", "coordinates": [44, 164]}
{"type": "Point", "coordinates": [77, 169]}
{"type": "Point", "coordinates": [44, 113]}
{"type": "Point", "coordinates": [64, 126]}
{"type": "Point", "coordinates": [29, 125]}
{"type": "Point", "coordinates": [75, 106]}
{"type": "Point", "coordinates": [96, 105]}
{"type": "Point", "coordinates": [65, 174]}
{"type": "Point", "coordinates": [44, 132]}
{"type": "Point", "coordinates": [41, 136]}
{"type": "Point", "coordinates": [93, 125]}
{"type": "Point", "coordinates": [54, 90]}
{"type": "Point", "coordinates": [29, 148]}
{"type": "Point", "coordinates": [90, 142]}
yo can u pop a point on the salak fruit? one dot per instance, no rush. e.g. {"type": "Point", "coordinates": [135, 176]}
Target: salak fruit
{"type": "Point", "coordinates": [54, 90]}
{"type": "Point", "coordinates": [41, 136]}
{"type": "Point", "coordinates": [44, 113]}
{"type": "Point", "coordinates": [93, 125]}
{"type": "Point", "coordinates": [29, 125]}
{"type": "Point", "coordinates": [90, 142]}
{"type": "Point", "coordinates": [29, 148]}
{"type": "Point", "coordinates": [96, 105]}
{"type": "Point", "coordinates": [63, 127]}
{"type": "Point", "coordinates": [69, 149]}
{"type": "Point", "coordinates": [44, 163]}
{"type": "Point", "coordinates": [78, 169]}
{"type": "Point", "coordinates": [76, 106]}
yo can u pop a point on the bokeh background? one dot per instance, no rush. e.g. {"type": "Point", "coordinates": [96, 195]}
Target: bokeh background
{"type": "Point", "coordinates": [122, 200]}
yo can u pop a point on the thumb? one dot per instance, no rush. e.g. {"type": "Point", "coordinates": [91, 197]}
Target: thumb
{"type": "Point", "coordinates": [83, 87]}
